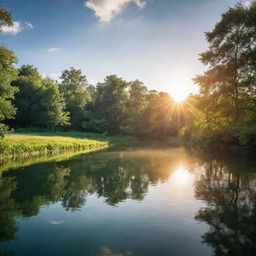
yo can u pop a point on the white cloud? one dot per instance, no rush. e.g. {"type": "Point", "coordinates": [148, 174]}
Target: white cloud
{"type": "Point", "coordinates": [105, 10]}
{"type": "Point", "coordinates": [16, 27]}
{"type": "Point", "coordinates": [28, 25]}
{"type": "Point", "coordinates": [246, 3]}
{"type": "Point", "coordinates": [54, 49]}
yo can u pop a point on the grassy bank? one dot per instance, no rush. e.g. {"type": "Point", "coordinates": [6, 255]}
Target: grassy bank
{"type": "Point", "coordinates": [19, 144]}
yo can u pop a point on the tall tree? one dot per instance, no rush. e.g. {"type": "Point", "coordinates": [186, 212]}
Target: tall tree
{"type": "Point", "coordinates": [27, 100]}
{"type": "Point", "coordinates": [7, 74]}
{"type": "Point", "coordinates": [111, 103]}
{"type": "Point", "coordinates": [53, 106]}
{"type": "Point", "coordinates": [229, 85]}
{"type": "Point", "coordinates": [74, 87]}
{"type": "Point", "coordinates": [137, 103]}
{"type": "Point", "coordinates": [39, 101]}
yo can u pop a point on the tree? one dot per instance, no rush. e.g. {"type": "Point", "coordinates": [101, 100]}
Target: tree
{"type": "Point", "coordinates": [5, 18]}
{"type": "Point", "coordinates": [39, 101]}
{"type": "Point", "coordinates": [7, 74]}
{"type": "Point", "coordinates": [156, 120]}
{"type": "Point", "coordinates": [27, 100]}
{"type": "Point", "coordinates": [137, 103]}
{"type": "Point", "coordinates": [111, 103]}
{"type": "Point", "coordinates": [74, 88]}
{"type": "Point", "coordinates": [229, 85]}
{"type": "Point", "coordinates": [53, 106]}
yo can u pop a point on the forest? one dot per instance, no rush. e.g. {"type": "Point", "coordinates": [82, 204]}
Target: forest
{"type": "Point", "coordinates": [222, 112]}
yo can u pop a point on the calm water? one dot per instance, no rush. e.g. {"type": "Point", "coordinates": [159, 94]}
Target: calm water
{"type": "Point", "coordinates": [141, 201]}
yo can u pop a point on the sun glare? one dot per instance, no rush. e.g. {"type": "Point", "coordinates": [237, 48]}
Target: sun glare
{"type": "Point", "coordinates": [181, 175]}
{"type": "Point", "coordinates": [179, 95]}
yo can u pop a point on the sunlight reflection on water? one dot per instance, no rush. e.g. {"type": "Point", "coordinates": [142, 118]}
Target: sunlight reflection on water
{"type": "Point", "coordinates": [181, 175]}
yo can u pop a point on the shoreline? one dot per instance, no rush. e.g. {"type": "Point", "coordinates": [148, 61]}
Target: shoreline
{"type": "Point", "coordinates": [28, 145]}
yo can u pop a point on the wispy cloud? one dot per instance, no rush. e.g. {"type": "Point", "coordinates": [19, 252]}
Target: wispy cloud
{"type": "Point", "coordinates": [54, 49]}
{"type": "Point", "coordinates": [28, 25]}
{"type": "Point", "coordinates": [16, 27]}
{"type": "Point", "coordinates": [105, 10]}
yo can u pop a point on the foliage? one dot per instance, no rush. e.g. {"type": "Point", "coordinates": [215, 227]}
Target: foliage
{"type": "Point", "coordinates": [74, 88]}
{"type": "Point", "coordinates": [226, 104]}
{"type": "Point", "coordinates": [5, 18]}
{"type": "Point", "coordinates": [110, 103]}
{"type": "Point", "coordinates": [7, 74]}
{"type": "Point", "coordinates": [54, 106]}
{"type": "Point", "coordinates": [229, 83]}
{"type": "Point", "coordinates": [37, 95]}
{"type": "Point", "coordinates": [247, 135]}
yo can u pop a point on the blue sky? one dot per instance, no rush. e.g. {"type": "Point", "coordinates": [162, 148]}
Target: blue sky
{"type": "Point", "coordinates": [156, 41]}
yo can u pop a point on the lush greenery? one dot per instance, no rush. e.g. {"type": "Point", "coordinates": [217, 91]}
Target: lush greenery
{"type": "Point", "coordinates": [27, 144]}
{"type": "Point", "coordinates": [224, 110]}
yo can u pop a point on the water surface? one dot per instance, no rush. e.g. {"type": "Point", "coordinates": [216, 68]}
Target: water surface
{"type": "Point", "coordinates": [130, 201]}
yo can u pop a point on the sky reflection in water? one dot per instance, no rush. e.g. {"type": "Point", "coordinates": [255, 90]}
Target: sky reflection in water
{"type": "Point", "coordinates": [138, 201]}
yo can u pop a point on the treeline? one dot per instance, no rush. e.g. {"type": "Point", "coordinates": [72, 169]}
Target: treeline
{"type": "Point", "coordinates": [112, 107]}
{"type": "Point", "coordinates": [224, 110]}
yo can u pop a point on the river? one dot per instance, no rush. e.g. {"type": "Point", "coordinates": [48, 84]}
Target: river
{"type": "Point", "coordinates": [143, 200]}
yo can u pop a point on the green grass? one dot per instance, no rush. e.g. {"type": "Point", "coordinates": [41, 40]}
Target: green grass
{"type": "Point", "coordinates": [19, 144]}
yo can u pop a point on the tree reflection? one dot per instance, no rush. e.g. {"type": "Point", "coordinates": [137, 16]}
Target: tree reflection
{"type": "Point", "coordinates": [8, 210]}
{"type": "Point", "coordinates": [114, 176]}
{"type": "Point", "coordinates": [230, 194]}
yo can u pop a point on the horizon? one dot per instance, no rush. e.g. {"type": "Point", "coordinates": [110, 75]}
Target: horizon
{"type": "Point", "coordinates": [103, 38]}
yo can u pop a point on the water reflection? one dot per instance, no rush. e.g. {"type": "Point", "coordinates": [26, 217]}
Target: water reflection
{"type": "Point", "coordinates": [227, 185]}
{"type": "Point", "coordinates": [114, 176]}
{"type": "Point", "coordinates": [181, 175]}
{"type": "Point", "coordinates": [105, 251]}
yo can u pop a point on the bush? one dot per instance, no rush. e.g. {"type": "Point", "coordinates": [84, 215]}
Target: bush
{"type": "Point", "coordinates": [228, 136]}
{"type": "Point", "coordinates": [248, 135]}
{"type": "Point", "coordinates": [94, 125]}
{"type": "Point", "coordinates": [4, 129]}
{"type": "Point", "coordinates": [185, 134]}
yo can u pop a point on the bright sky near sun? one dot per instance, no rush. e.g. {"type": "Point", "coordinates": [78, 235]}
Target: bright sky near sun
{"type": "Point", "coordinates": [156, 41]}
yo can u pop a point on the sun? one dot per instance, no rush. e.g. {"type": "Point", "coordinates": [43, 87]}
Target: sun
{"type": "Point", "coordinates": [179, 95]}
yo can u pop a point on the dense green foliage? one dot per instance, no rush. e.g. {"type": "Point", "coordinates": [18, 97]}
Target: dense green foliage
{"type": "Point", "coordinates": [115, 106]}
{"type": "Point", "coordinates": [224, 110]}
{"type": "Point", "coordinates": [37, 95]}
{"type": "Point", "coordinates": [7, 74]}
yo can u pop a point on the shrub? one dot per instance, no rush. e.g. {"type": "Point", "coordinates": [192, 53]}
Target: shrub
{"type": "Point", "coordinates": [228, 136]}
{"type": "Point", "coordinates": [248, 135]}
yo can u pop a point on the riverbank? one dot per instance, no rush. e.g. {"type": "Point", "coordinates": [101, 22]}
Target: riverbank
{"type": "Point", "coordinates": [30, 144]}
